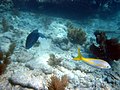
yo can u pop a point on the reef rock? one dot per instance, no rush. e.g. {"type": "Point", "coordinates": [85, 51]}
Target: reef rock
{"type": "Point", "coordinates": [38, 64]}
{"type": "Point", "coordinates": [26, 79]}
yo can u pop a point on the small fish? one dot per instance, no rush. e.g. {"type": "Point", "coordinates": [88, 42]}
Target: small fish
{"type": "Point", "coordinates": [98, 63]}
{"type": "Point", "coordinates": [32, 38]}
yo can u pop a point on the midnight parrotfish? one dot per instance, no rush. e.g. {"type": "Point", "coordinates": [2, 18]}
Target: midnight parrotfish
{"type": "Point", "coordinates": [32, 38]}
{"type": "Point", "coordinates": [98, 63]}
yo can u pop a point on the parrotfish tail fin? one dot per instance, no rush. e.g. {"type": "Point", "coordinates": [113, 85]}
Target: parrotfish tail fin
{"type": "Point", "coordinates": [79, 57]}
{"type": "Point", "coordinates": [42, 35]}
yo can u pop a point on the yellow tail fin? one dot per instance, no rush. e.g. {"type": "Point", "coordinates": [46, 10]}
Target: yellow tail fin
{"type": "Point", "coordinates": [79, 57]}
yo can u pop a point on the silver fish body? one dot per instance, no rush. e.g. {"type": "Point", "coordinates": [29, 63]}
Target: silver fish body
{"type": "Point", "coordinates": [98, 63]}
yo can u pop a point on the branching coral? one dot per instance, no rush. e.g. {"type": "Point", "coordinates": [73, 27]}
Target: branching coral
{"type": "Point", "coordinates": [76, 35]}
{"type": "Point", "coordinates": [53, 61]}
{"type": "Point", "coordinates": [108, 49]}
{"type": "Point", "coordinates": [58, 84]}
{"type": "Point", "coordinates": [4, 59]}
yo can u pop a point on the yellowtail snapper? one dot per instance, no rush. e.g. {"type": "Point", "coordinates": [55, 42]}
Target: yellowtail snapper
{"type": "Point", "coordinates": [98, 63]}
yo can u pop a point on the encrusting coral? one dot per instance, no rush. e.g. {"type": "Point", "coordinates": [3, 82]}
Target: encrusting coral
{"type": "Point", "coordinates": [4, 58]}
{"type": "Point", "coordinates": [57, 84]}
{"type": "Point", "coordinates": [108, 49]}
{"type": "Point", "coordinates": [76, 35]}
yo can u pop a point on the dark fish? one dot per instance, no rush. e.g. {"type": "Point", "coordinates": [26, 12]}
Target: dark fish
{"type": "Point", "coordinates": [32, 38]}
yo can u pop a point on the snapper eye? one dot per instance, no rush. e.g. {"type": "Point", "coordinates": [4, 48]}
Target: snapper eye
{"type": "Point", "coordinates": [108, 67]}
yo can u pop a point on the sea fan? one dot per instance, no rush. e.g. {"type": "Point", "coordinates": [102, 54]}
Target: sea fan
{"type": "Point", "coordinates": [58, 84]}
{"type": "Point", "coordinates": [108, 49]}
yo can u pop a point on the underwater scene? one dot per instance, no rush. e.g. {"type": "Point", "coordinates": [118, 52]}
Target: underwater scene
{"type": "Point", "coordinates": [59, 44]}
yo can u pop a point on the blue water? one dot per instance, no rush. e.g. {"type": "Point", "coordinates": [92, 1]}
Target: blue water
{"type": "Point", "coordinates": [76, 9]}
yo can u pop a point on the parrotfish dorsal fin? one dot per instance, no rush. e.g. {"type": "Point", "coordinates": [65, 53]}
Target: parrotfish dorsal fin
{"type": "Point", "coordinates": [36, 30]}
{"type": "Point", "coordinates": [79, 57]}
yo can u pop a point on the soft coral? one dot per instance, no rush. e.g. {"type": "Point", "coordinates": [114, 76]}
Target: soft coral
{"type": "Point", "coordinates": [58, 84]}
{"type": "Point", "coordinates": [108, 49]}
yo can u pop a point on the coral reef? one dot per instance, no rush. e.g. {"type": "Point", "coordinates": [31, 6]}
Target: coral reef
{"type": "Point", "coordinates": [76, 35]}
{"type": "Point", "coordinates": [62, 43]}
{"type": "Point", "coordinates": [46, 22]}
{"type": "Point", "coordinates": [5, 24]}
{"type": "Point", "coordinates": [53, 61]}
{"type": "Point", "coordinates": [69, 24]}
{"type": "Point", "coordinates": [108, 49]}
{"type": "Point", "coordinates": [29, 69]}
{"type": "Point", "coordinates": [57, 84]}
{"type": "Point", "coordinates": [5, 5]}
{"type": "Point", "coordinates": [15, 12]}
{"type": "Point", "coordinates": [25, 80]}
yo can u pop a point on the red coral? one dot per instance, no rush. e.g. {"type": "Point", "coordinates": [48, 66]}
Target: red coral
{"type": "Point", "coordinates": [6, 60]}
{"type": "Point", "coordinates": [108, 49]}
{"type": "Point", "coordinates": [2, 65]}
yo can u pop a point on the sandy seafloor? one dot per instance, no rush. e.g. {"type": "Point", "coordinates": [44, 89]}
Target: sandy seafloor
{"type": "Point", "coordinates": [29, 68]}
